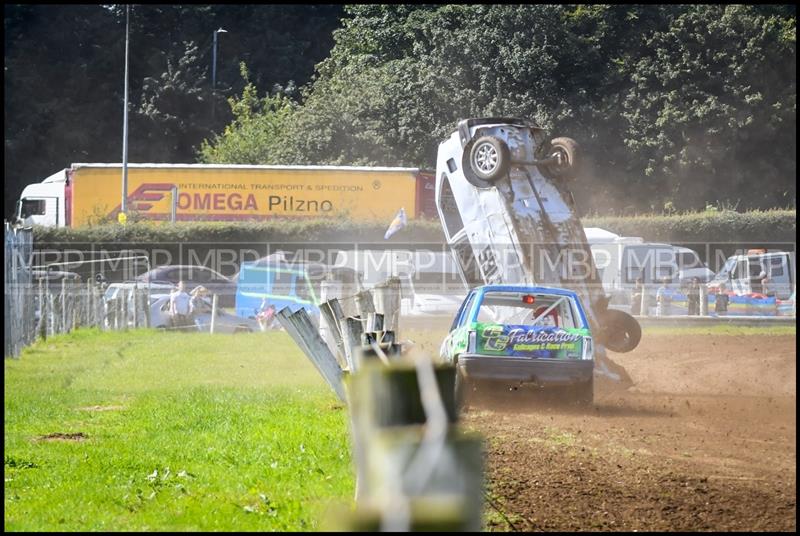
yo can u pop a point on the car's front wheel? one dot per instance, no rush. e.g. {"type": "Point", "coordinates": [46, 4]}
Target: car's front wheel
{"type": "Point", "coordinates": [566, 153]}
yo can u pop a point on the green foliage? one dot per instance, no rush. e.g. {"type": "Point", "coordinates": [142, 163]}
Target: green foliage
{"type": "Point", "coordinates": [769, 226]}
{"type": "Point", "coordinates": [180, 432]}
{"type": "Point", "coordinates": [64, 77]}
{"type": "Point", "coordinates": [676, 104]}
{"type": "Point", "coordinates": [722, 225]}
{"type": "Point", "coordinates": [256, 134]}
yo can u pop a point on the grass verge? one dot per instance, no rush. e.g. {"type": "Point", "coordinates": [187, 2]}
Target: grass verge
{"type": "Point", "coordinates": [162, 431]}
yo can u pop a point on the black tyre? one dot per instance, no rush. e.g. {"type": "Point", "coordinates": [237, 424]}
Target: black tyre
{"type": "Point", "coordinates": [567, 151]}
{"type": "Point", "coordinates": [242, 329]}
{"type": "Point", "coordinates": [489, 158]}
{"type": "Point", "coordinates": [621, 332]}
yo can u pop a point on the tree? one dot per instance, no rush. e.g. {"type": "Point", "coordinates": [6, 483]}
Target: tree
{"type": "Point", "coordinates": [256, 134]}
{"type": "Point", "coordinates": [653, 94]}
{"type": "Point", "coordinates": [64, 72]}
{"type": "Point", "coordinates": [711, 110]}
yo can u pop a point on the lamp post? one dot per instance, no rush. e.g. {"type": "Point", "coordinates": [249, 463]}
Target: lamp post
{"type": "Point", "coordinates": [124, 205]}
{"type": "Point", "coordinates": [214, 73]}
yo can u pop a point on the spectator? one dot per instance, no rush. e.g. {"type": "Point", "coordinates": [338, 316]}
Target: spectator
{"type": "Point", "coordinates": [180, 306]}
{"type": "Point", "coordinates": [197, 303]}
{"type": "Point", "coordinates": [721, 301]}
{"type": "Point", "coordinates": [766, 286]}
{"type": "Point", "coordinates": [266, 318]}
{"type": "Point", "coordinates": [693, 296]}
{"type": "Point", "coordinates": [757, 282]}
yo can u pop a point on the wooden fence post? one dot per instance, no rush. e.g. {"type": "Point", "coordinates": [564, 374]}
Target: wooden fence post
{"type": "Point", "coordinates": [135, 306]}
{"type": "Point", "coordinates": [213, 313]}
{"type": "Point", "coordinates": [42, 311]}
{"type": "Point", "coordinates": [415, 470]}
{"type": "Point", "coordinates": [102, 308]}
{"type": "Point", "coordinates": [64, 328]}
{"type": "Point", "coordinates": [55, 324]}
{"type": "Point", "coordinates": [147, 319]}
{"type": "Point", "coordinates": [645, 309]}
{"type": "Point", "coordinates": [89, 304]}
{"type": "Point", "coordinates": [124, 319]}
{"type": "Point", "coordinates": [75, 304]}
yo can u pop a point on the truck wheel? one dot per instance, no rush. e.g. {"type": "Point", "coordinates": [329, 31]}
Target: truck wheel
{"type": "Point", "coordinates": [622, 332]}
{"type": "Point", "coordinates": [489, 158]}
{"type": "Point", "coordinates": [567, 151]}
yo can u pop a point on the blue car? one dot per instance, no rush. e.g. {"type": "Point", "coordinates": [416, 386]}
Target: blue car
{"type": "Point", "coordinates": [522, 334]}
{"type": "Point", "coordinates": [294, 285]}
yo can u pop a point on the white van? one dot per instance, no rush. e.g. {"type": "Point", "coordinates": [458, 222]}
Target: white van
{"type": "Point", "coordinates": [741, 272]}
{"type": "Point", "coordinates": [430, 281]}
{"type": "Point", "coordinates": [621, 262]}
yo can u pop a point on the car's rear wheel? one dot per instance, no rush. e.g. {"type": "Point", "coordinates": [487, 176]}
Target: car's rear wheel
{"type": "Point", "coordinates": [489, 158]}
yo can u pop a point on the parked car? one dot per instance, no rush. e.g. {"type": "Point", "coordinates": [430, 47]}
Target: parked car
{"type": "Point", "coordinates": [272, 281]}
{"type": "Point", "coordinates": [522, 334]}
{"type": "Point", "coordinates": [430, 281]}
{"type": "Point", "coordinates": [194, 276]}
{"type": "Point", "coordinates": [201, 316]}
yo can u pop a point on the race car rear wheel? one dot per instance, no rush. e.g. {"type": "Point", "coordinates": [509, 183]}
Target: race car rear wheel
{"type": "Point", "coordinates": [489, 158]}
{"type": "Point", "coordinates": [567, 153]}
{"type": "Point", "coordinates": [622, 332]}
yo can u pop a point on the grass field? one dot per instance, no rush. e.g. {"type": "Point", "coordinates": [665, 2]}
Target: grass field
{"type": "Point", "coordinates": [162, 431]}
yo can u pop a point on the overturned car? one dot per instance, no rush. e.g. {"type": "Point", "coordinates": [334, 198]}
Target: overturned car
{"type": "Point", "coordinates": [509, 218]}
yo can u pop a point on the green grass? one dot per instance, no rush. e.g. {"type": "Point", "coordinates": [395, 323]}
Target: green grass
{"type": "Point", "coordinates": [720, 329]}
{"type": "Point", "coordinates": [194, 432]}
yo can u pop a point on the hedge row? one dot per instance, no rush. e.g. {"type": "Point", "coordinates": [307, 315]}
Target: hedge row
{"type": "Point", "coordinates": [768, 227]}
{"type": "Point", "coordinates": [724, 226]}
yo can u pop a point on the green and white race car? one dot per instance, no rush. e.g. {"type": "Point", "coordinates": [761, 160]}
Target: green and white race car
{"type": "Point", "coordinates": [522, 334]}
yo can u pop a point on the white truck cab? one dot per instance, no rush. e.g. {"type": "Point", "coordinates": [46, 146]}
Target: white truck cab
{"type": "Point", "coordinates": [44, 203]}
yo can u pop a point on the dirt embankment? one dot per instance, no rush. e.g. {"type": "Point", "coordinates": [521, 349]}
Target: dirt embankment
{"type": "Point", "coordinates": [705, 440]}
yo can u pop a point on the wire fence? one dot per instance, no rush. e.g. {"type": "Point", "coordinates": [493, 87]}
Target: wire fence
{"type": "Point", "coordinates": [18, 305]}
{"type": "Point", "coordinates": [41, 303]}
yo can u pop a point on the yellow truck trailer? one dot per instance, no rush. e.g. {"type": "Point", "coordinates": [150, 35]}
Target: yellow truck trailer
{"type": "Point", "coordinates": [91, 193]}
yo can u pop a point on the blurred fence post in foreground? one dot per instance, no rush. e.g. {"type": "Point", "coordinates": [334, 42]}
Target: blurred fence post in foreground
{"type": "Point", "coordinates": [415, 470]}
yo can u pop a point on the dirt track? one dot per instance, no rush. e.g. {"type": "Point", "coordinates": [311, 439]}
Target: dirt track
{"type": "Point", "coordinates": [705, 440]}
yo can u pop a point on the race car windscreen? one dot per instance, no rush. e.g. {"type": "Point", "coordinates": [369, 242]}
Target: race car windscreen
{"type": "Point", "coordinates": [522, 309]}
